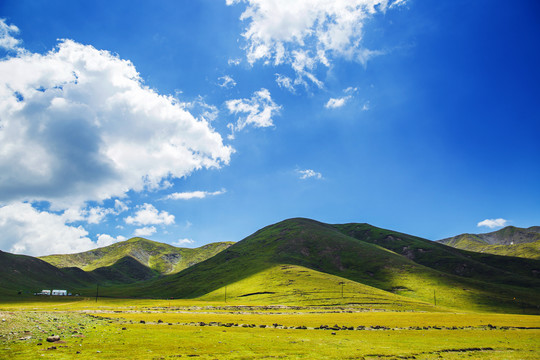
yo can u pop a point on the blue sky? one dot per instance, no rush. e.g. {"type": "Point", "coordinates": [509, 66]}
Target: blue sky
{"type": "Point", "coordinates": [416, 116]}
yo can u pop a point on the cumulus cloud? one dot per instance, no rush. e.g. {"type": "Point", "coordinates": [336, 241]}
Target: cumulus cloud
{"type": "Point", "coordinates": [145, 231]}
{"type": "Point", "coordinates": [7, 41]}
{"type": "Point", "coordinates": [492, 223]}
{"type": "Point", "coordinates": [26, 230]}
{"type": "Point", "coordinates": [106, 240]}
{"type": "Point", "coordinates": [78, 124]}
{"type": "Point", "coordinates": [259, 110]}
{"type": "Point", "coordinates": [335, 103]}
{"type": "Point", "coordinates": [226, 82]}
{"type": "Point", "coordinates": [183, 242]}
{"type": "Point", "coordinates": [194, 195]}
{"type": "Point", "coordinates": [306, 33]}
{"type": "Point", "coordinates": [91, 215]}
{"type": "Point", "coordinates": [149, 215]}
{"type": "Point", "coordinates": [309, 173]}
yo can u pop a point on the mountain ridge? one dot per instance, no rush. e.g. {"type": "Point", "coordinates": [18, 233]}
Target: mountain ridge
{"type": "Point", "coordinates": [159, 257]}
{"type": "Point", "coordinates": [327, 249]}
{"type": "Point", "coordinates": [298, 260]}
{"type": "Point", "coordinates": [508, 241]}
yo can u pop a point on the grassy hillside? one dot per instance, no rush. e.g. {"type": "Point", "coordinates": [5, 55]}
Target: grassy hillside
{"type": "Point", "coordinates": [510, 241]}
{"type": "Point", "coordinates": [29, 275]}
{"type": "Point", "coordinates": [159, 257]}
{"type": "Point", "coordinates": [412, 267]}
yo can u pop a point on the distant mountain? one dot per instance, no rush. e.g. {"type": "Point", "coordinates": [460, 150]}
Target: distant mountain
{"type": "Point", "coordinates": [393, 262]}
{"type": "Point", "coordinates": [29, 274]}
{"type": "Point", "coordinates": [161, 258]}
{"type": "Point", "coordinates": [509, 241]}
{"type": "Point", "coordinates": [294, 261]}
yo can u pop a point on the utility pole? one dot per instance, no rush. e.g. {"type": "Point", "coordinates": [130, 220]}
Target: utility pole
{"type": "Point", "coordinates": [97, 291]}
{"type": "Point", "coordinates": [342, 284]}
{"type": "Point", "coordinates": [225, 293]}
{"type": "Point", "coordinates": [434, 298]}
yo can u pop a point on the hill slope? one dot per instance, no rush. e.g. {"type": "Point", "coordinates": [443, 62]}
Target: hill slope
{"type": "Point", "coordinates": [29, 274]}
{"type": "Point", "coordinates": [459, 278]}
{"type": "Point", "coordinates": [509, 241]}
{"type": "Point", "coordinates": [162, 258]}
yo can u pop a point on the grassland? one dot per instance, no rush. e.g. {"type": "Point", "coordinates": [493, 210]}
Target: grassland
{"type": "Point", "coordinates": [166, 329]}
{"type": "Point", "coordinates": [296, 289]}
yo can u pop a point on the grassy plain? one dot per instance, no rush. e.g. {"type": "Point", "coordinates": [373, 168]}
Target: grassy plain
{"type": "Point", "coordinates": [166, 329]}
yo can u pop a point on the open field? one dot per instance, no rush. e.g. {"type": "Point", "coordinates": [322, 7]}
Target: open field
{"type": "Point", "coordinates": [162, 329]}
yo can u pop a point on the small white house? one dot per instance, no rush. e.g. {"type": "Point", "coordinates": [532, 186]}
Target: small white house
{"type": "Point", "coordinates": [59, 292]}
{"type": "Point", "coordinates": [45, 292]}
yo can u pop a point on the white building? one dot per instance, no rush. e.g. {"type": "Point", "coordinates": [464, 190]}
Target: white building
{"type": "Point", "coordinates": [59, 292]}
{"type": "Point", "coordinates": [45, 292]}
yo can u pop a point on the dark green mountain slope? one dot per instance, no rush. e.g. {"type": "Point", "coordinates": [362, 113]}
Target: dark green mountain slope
{"type": "Point", "coordinates": [331, 250]}
{"type": "Point", "coordinates": [492, 268]}
{"type": "Point", "coordinates": [510, 241]}
{"type": "Point", "coordinates": [159, 257]}
{"type": "Point", "coordinates": [29, 274]}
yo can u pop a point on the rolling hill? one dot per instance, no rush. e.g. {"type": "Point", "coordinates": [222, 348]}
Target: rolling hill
{"type": "Point", "coordinates": [509, 241]}
{"type": "Point", "coordinates": [161, 258]}
{"type": "Point", "coordinates": [398, 264]}
{"type": "Point", "coordinates": [296, 261]}
{"type": "Point", "coordinates": [29, 274]}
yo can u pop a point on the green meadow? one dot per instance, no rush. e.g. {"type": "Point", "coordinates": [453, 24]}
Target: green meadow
{"type": "Point", "coordinates": [166, 329]}
{"type": "Point", "coordinates": [298, 289]}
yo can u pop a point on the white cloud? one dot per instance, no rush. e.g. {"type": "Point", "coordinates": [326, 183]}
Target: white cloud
{"type": "Point", "coordinates": [106, 240]}
{"type": "Point", "coordinates": [226, 82]}
{"type": "Point", "coordinates": [492, 223]}
{"type": "Point", "coordinates": [306, 33]}
{"type": "Point", "coordinates": [26, 230]}
{"type": "Point", "coordinates": [145, 231]}
{"type": "Point", "coordinates": [259, 109]}
{"type": "Point", "coordinates": [7, 41]}
{"type": "Point", "coordinates": [234, 62]}
{"type": "Point", "coordinates": [335, 103]}
{"type": "Point", "coordinates": [308, 173]}
{"type": "Point", "coordinates": [149, 215]}
{"type": "Point", "coordinates": [194, 195]}
{"type": "Point", "coordinates": [78, 124]}
{"type": "Point", "coordinates": [285, 82]}
{"type": "Point", "coordinates": [183, 242]}
{"type": "Point", "coordinates": [365, 107]}
{"type": "Point", "coordinates": [120, 206]}
{"type": "Point", "coordinates": [206, 112]}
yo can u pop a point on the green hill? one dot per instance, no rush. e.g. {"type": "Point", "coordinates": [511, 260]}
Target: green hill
{"type": "Point", "coordinates": [26, 274]}
{"type": "Point", "coordinates": [395, 263]}
{"type": "Point", "coordinates": [29, 275]}
{"type": "Point", "coordinates": [509, 241]}
{"type": "Point", "coordinates": [159, 257]}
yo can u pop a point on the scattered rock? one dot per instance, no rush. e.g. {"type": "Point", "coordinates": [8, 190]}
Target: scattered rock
{"type": "Point", "coordinates": [53, 338]}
